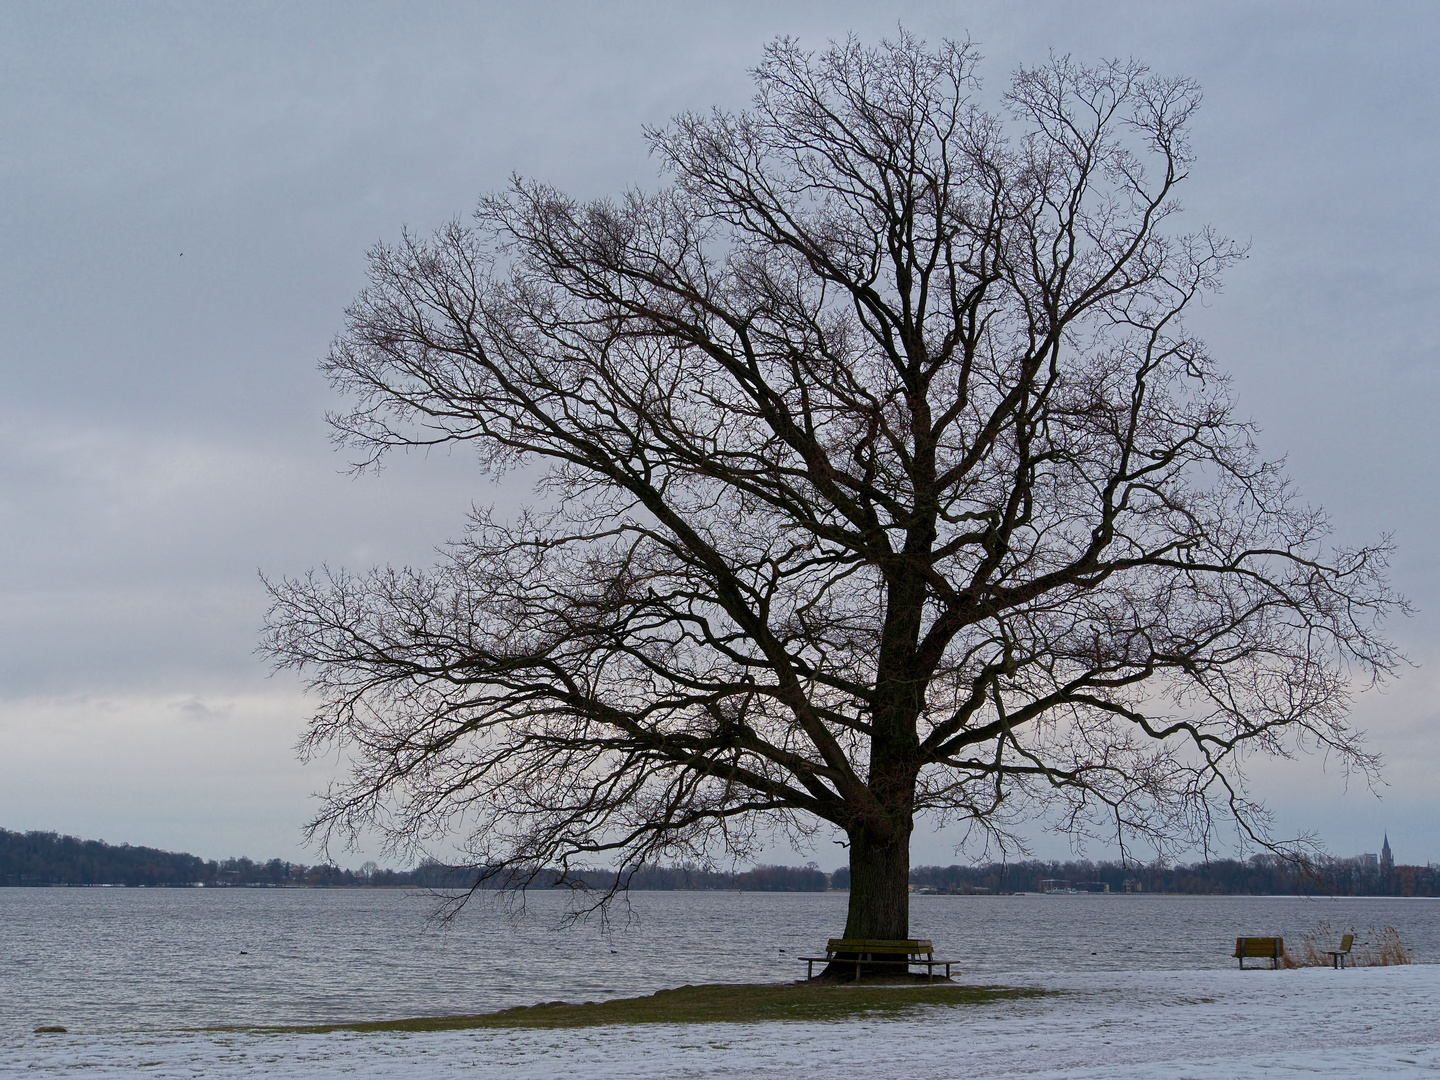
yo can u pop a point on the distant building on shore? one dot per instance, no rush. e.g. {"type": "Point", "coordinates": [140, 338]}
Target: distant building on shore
{"type": "Point", "coordinates": [1382, 864]}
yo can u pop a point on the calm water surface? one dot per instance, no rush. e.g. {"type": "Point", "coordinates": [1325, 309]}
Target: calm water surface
{"type": "Point", "coordinates": [124, 959]}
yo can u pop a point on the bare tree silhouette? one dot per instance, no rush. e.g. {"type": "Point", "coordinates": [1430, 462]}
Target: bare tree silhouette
{"type": "Point", "coordinates": [879, 477]}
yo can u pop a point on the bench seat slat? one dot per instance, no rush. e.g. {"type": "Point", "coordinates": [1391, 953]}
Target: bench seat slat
{"type": "Point", "coordinates": [872, 959]}
{"type": "Point", "coordinates": [831, 959]}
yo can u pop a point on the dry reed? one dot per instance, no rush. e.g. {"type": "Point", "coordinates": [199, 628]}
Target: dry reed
{"type": "Point", "coordinates": [1381, 947]}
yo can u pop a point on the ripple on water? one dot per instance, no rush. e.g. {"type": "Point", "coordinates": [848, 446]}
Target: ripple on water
{"type": "Point", "coordinates": [121, 959]}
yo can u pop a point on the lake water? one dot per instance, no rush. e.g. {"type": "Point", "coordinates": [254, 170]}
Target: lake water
{"type": "Point", "coordinates": [125, 959]}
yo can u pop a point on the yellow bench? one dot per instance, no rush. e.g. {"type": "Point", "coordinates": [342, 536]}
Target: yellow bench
{"type": "Point", "coordinates": [1342, 954]}
{"type": "Point", "coordinates": [874, 952]}
{"type": "Point", "coordinates": [1264, 948]}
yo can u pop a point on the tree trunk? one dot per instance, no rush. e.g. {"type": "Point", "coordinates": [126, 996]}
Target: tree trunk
{"type": "Point", "coordinates": [880, 836]}
{"type": "Point", "coordinates": [879, 884]}
{"type": "Point", "coordinates": [879, 897]}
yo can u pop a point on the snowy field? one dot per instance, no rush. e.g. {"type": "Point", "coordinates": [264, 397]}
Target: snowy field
{"type": "Point", "coordinates": [1199, 1024]}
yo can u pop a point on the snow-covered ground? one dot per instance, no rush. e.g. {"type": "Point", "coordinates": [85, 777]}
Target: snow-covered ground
{"type": "Point", "coordinates": [1182, 1024]}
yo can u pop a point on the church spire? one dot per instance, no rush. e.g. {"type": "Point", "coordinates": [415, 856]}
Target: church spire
{"type": "Point", "coordinates": [1387, 860]}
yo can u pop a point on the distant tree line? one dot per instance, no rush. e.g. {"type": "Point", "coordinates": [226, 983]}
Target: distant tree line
{"type": "Point", "coordinates": [1261, 875]}
{"type": "Point", "coordinates": [47, 858]}
{"type": "Point", "coordinates": [758, 879]}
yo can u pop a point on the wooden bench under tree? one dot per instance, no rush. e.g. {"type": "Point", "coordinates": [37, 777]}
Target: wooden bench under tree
{"type": "Point", "coordinates": [873, 952]}
{"type": "Point", "coordinates": [1263, 948]}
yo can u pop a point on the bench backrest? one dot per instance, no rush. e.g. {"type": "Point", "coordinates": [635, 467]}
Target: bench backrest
{"type": "Point", "coordinates": [1268, 947]}
{"type": "Point", "coordinates": [1346, 942]}
{"type": "Point", "coordinates": [900, 947]}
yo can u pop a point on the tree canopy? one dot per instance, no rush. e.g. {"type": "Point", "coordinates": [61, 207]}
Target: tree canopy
{"type": "Point", "coordinates": [877, 476]}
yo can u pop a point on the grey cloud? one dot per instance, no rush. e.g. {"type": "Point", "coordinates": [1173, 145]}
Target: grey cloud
{"type": "Point", "coordinates": [194, 708]}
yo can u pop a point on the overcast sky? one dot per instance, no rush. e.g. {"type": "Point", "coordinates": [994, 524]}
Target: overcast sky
{"type": "Point", "coordinates": [187, 193]}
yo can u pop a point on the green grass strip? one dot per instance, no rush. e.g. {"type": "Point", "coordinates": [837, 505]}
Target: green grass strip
{"type": "Point", "coordinates": [711, 1004]}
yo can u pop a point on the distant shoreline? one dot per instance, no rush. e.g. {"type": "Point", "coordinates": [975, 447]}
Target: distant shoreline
{"type": "Point", "coordinates": [759, 892]}
{"type": "Point", "coordinates": [50, 860]}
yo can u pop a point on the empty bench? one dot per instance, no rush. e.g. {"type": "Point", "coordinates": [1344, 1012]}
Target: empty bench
{"type": "Point", "coordinates": [874, 952]}
{"type": "Point", "coordinates": [1263, 948]}
{"type": "Point", "coordinates": [1342, 954]}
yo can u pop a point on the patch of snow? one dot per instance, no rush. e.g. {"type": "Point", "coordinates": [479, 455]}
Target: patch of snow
{"type": "Point", "coordinates": [1198, 1025]}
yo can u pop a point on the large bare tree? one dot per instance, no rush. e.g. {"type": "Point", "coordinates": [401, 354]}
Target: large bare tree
{"type": "Point", "coordinates": [878, 476]}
